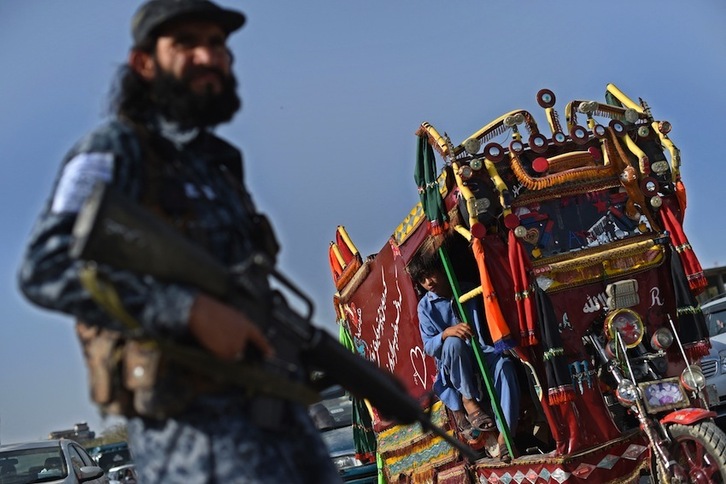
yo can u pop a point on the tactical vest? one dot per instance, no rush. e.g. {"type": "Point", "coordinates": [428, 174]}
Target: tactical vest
{"type": "Point", "coordinates": [136, 377]}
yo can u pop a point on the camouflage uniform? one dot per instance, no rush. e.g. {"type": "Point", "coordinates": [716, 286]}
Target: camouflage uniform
{"type": "Point", "coordinates": [215, 439]}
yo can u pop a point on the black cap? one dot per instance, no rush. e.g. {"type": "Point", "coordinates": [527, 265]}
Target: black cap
{"type": "Point", "coordinates": [153, 14]}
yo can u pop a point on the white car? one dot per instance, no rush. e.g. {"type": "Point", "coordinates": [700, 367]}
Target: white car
{"type": "Point", "coordinates": [124, 474]}
{"type": "Point", "coordinates": [61, 461]}
{"type": "Point", "coordinates": [714, 365]}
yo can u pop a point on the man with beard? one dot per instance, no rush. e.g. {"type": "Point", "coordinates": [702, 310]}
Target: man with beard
{"type": "Point", "coordinates": [159, 150]}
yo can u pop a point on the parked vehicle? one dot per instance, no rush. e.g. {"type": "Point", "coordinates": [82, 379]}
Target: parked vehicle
{"type": "Point", "coordinates": [714, 364]}
{"type": "Point", "coordinates": [333, 417]}
{"type": "Point", "coordinates": [123, 474]}
{"type": "Point", "coordinates": [111, 455]}
{"type": "Point", "coordinates": [588, 281]}
{"type": "Point", "coordinates": [60, 461]}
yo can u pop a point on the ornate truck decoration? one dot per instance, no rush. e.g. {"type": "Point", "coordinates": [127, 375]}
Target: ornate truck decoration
{"type": "Point", "coordinates": [575, 236]}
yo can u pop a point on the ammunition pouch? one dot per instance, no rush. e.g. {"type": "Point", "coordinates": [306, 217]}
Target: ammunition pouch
{"type": "Point", "coordinates": [134, 378]}
{"type": "Point", "coordinates": [102, 350]}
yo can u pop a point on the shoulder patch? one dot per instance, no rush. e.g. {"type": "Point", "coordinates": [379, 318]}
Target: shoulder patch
{"type": "Point", "coordinates": [79, 176]}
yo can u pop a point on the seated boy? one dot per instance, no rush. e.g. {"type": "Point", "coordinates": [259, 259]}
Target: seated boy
{"type": "Point", "coordinates": [448, 340]}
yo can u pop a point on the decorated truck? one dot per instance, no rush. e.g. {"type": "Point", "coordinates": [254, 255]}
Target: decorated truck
{"type": "Point", "coordinates": [573, 236]}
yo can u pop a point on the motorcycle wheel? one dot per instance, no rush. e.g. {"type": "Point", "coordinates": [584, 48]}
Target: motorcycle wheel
{"type": "Point", "coordinates": [700, 451]}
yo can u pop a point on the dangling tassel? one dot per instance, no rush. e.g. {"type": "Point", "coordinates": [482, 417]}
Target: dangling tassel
{"type": "Point", "coordinates": [682, 200]}
{"type": "Point", "coordinates": [526, 312]}
{"type": "Point", "coordinates": [498, 327]}
{"type": "Point", "coordinates": [428, 188]}
{"type": "Point", "coordinates": [691, 323]}
{"type": "Point", "coordinates": [364, 438]}
{"type": "Point", "coordinates": [692, 268]}
{"type": "Point", "coordinates": [559, 380]}
{"type": "Point", "coordinates": [436, 228]}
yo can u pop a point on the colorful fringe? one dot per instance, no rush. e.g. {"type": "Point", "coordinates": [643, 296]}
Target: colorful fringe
{"type": "Point", "coordinates": [692, 268]}
{"type": "Point", "coordinates": [520, 267]}
{"type": "Point", "coordinates": [408, 451]}
{"type": "Point", "coordinates": [364, 437]}
{"type": "Point", "coordinates": [559, 380]}
{"type": "Point", "coordinates": [691, 323]}
{"type": "Point", "coordinates": [682, 200]}
{"type": "Point", "coordinates": [498, 327]}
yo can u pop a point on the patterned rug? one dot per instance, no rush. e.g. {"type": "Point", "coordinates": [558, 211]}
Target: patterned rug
{"type": "Point", "coordinates": [411, 455]}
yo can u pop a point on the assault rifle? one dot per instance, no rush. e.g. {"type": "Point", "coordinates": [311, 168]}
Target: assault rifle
{"type": "Point", "coordinates": [113, 230]}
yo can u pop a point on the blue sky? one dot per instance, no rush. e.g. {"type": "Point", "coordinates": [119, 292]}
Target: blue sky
{"type": "Point", "coordinates": [333, 92]}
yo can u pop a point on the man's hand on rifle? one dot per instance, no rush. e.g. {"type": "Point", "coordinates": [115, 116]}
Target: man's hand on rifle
{"type": "Point", "coordinates": [225, 331]}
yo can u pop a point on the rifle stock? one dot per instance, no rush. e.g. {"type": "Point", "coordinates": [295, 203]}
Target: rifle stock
{"type": "Point", "coordinates": [111, 229]}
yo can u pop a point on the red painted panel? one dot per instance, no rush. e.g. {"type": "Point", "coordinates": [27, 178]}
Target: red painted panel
{"type": "Point", "coordinates": [384, 324]}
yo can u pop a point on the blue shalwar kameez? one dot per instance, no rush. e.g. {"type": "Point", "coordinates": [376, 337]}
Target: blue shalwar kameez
{"type": "Point", "coordinates": [458, 374]}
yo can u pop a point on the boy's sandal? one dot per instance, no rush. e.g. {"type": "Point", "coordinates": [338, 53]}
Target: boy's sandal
{"type": "Point", "coordinates": [481, 421]}
{"type": "Point", "coordinates": [504, 455]}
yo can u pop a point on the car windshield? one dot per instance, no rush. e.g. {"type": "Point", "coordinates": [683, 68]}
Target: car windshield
{"type": "Point", "coordinates": [716, 321]}
{"type": "Point", "coordinates": [333, 411]}
{"type": "Point", "coordinates": [32, 465]}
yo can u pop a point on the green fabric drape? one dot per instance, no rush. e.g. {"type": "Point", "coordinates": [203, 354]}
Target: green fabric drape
{"type": "Point", "coordinates": [363, 435]}
{"type": "Point", "coordinates": [425, 176]}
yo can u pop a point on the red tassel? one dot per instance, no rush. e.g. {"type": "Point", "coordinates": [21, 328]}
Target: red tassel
{"type": "Point", "coordinates": [528, 339]}
{"type": "Point", "coordinates": [365, 458]}
{"type": "Point", "coordinates": [694, 272]}
{"type": "Point", "coordinates": [697, 350]}
{"type": "Point", "coordinates": [560, 395]}
{"type": "Point", "coordinates": [438, 228]}
{"type": "Point", "coordinates": [520, 268]}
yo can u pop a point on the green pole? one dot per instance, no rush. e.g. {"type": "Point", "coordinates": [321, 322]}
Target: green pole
{"type": "Point", "coordinates": [486, 374]}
